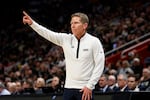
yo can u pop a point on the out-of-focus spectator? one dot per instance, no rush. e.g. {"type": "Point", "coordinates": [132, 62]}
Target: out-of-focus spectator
{"type": "Point", "coordinates": [28, 88]}
{"type": "Point", "coordinates": [137, 67]}
{"type": "Point", "coordinates": [55, 83]}
{"type": "Point", "coordinates": [3, 90]}
{"type": "Point", "coordinates": [19, 87]}
{"type": "Point", "coordinates": [144, 84]}
{"type": "Point", "coordinates": [40, 82]}
{"type": "Point", "coordinates": [131, 56]}
{"type": "Point", "coordinates": [57, 71]}
{"type": "Point", "coordinates": [112, 82]}
{"type": "Point", "coordinates": [11, 86]}
{"type": "Point", "coordinates": [113, 72]}
{"type": "Point", "coordinates": [102, 86]}
{"type": "Point", "coordinates": [122, 83]}
{"type": "Point", "coordinates": [132, 83]}
{"type": "Point", "coordinates": [125, 68]}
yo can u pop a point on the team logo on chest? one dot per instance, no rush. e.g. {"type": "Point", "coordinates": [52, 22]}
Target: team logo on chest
{"type": "Point", "coordinates": [85, 49]}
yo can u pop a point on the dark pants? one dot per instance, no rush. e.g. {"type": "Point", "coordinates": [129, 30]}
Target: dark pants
{"type": "Point", "coordinates": [72, 94]}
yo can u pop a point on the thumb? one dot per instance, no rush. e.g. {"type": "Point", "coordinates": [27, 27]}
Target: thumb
{"type": "Point", "coordinates": [81, 90]}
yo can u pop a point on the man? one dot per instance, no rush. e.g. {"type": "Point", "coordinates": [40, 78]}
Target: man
{"type": "Point", "coordinates": [112, 82]}
{"type": "Point", "coordinates": [103, 85]}
{"type": "Point", "coordinates": [144, 84]}
{"type": "Point", "coordinates": [122, 83]}
{"type": "Point", "coordinates": [83, 52]}
{"type": "Point", "coordinates": [133, 83]}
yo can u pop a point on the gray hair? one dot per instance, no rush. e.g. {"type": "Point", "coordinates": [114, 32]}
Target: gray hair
{"type": "Point", "coordinates": [84, 17]}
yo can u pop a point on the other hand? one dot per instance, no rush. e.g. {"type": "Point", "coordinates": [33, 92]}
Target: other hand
{"type": "Point", "coordinates": [87, 93]}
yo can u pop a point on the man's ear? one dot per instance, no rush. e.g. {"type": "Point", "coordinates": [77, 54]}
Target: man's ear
{"type": "Point", "coordinates": [85, 25]}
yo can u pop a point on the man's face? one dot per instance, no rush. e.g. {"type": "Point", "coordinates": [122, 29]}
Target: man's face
{"type": "Point", "coordinates": [121, 81]}
{"type": "Point", "coordinates": [102, 82]}
{"type": "Point", "coordinates": [77, 27]}
{"type": "Point", "coordinates": [131, 83]}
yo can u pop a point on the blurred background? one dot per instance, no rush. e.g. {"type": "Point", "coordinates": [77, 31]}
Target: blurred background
{"type": "Point", "coordinates": [123, 26]}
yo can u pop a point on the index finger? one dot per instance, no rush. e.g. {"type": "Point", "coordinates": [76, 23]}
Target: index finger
{"type": "Point", "coordinates": [25, 13]}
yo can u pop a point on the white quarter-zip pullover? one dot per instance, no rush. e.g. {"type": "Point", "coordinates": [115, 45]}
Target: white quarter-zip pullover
{"type": "Point", "coordinates": [84, 58]}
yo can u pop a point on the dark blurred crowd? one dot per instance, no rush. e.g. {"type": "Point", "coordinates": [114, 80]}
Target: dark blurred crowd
{"type": "Point", "coordinates": [31, 64]}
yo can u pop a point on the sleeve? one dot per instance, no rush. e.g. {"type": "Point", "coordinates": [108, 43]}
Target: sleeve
{"type": "Point", "coordinates": [99, 61]}
{"type": "Point", "coordinates": [54, 37]}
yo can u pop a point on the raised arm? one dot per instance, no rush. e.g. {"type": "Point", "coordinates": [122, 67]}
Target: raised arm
{"type": "Point", "coordinates": [27, 19]}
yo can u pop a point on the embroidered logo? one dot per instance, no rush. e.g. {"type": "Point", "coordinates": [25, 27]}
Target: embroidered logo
{"type": "Point", "coordinates": [85, 49]}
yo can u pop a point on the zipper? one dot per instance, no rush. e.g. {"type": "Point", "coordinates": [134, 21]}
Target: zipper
{"type": "Point", "coordinates": [78, 49]}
